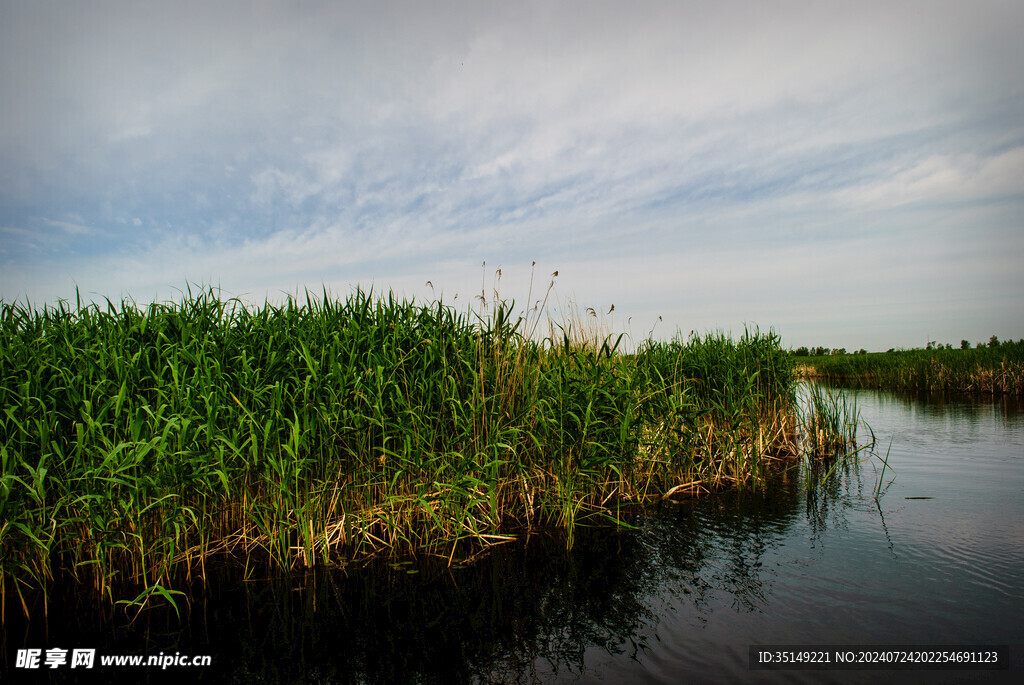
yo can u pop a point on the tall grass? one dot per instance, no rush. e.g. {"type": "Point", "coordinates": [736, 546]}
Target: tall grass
{"type": "Point", "coordinates": [990, 370]}
{"type": "Point", "coordinates": [138, 442]}
{"type": "Point", "coordinates": [829, 422]}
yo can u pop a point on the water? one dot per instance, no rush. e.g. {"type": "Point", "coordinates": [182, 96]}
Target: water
{"type": "Point", "coordinates": [679, 599]}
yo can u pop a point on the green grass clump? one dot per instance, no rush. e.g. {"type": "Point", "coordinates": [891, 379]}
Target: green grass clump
{"type": "Point", "coordinates": [137, 443]}
{"type": "Point", "coordinates": [998, 369]}
{"type": "Point", "coordinates": [829, 423]}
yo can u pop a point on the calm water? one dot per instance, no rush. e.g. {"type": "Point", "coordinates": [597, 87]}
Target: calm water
{"type": "Point", "coordinates": [680, 599]}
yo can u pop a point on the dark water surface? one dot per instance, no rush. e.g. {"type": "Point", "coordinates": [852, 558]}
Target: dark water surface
{"type": "Point", "coordinates": [681, 599]}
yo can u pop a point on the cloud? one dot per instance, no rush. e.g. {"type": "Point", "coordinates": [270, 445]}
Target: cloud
{"type": "Point", "coordinates": [943, 179]}
{"type": "Point", "coordinates": [68, 227]}
{"type": "Point", "coordinates": [265, 145]}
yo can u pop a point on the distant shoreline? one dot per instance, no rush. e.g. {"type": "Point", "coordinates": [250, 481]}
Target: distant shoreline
{"type": "Point", "coordinates": [996, 370]}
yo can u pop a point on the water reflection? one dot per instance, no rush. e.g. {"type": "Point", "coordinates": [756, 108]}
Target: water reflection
{"type": "Point", "coordinates": [526, 612]}
{"type": "Point", "coordinates": [684, 593]}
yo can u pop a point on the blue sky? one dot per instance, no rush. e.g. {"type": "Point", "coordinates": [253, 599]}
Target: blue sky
{"type": "Point", "coordinates": [849, 174]}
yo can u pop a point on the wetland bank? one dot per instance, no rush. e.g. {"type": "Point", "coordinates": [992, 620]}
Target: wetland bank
{"type": "Point", "coordinates": [993, 369]}
{"type": "Point", "coordinates": [316, 492]}
{"type": "Point", "coordinates": [681, 593]}
{"type": "Point", "coordinates": [139, 444]}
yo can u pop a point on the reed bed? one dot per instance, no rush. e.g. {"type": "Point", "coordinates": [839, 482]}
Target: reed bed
{"type": "Point", "coordinates": [137, 443]}
{"type": "Point", "coordinates": [998, 369]}
{"type": "Point", "coordinates": [829, 424]}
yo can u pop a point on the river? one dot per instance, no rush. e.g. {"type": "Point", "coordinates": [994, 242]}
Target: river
{"type": "Point", "coordinates": [936, 560]}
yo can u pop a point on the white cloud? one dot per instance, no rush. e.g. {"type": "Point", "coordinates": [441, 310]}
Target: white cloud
{"type": "Point", "coordinates": [942, 179]}
{"type": "Point", "coordinates": [68, 227]}
{"type": "Point", "coordinates": [648, 148]}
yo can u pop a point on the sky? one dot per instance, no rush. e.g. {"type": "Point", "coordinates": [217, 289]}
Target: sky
{"type": "Point", "coordinates": [846, 174]}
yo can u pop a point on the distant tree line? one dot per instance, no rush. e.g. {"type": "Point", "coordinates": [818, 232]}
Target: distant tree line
{"type": "Point", "coordinates": [823, 352]}
{"type": "Point", "coordinates": [932, 345]}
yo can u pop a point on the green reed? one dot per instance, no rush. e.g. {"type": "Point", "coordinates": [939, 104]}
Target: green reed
{"type": "Point", "coordinates": [829, 423]}
{"type": "Point", "coordinates": [138, 442]}
{"type": "Point", "coordinates": [998, 369]}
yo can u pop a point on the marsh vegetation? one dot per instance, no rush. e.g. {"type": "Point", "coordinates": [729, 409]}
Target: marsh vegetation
{"type": "Point", "coordinates": [139, 443]}
{"type": "Point", "coordinates": [993, 368]}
